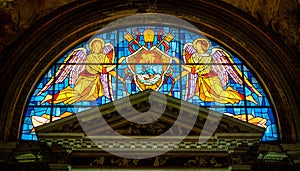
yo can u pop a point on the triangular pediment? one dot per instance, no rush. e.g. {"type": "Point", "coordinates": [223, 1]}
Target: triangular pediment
{"type": "Point", "coordinates": [140, 121]}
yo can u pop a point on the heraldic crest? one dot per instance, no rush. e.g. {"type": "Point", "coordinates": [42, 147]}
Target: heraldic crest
{"type": "Point", "coordinates": [148, 63]}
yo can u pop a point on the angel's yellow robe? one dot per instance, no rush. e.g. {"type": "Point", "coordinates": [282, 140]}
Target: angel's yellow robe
{"type": "Point", "coordinates": [88, 86]}
{"type": "Point", "coordinates": [208, 84]}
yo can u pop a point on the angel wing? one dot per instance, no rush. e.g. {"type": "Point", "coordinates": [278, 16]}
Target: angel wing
{"type": "Point", "coordinates": [109, 51]}
{"type": "Point", "coordinates": [188, 50]}
{"type": "Point", "coordinates": [191, 81]}
{"type": "Point", "coordinates": [224, 69]}
{"type": "Point", "coordinates": [105, 78]}
{"type": "Point", "coordinates": [77, 56]}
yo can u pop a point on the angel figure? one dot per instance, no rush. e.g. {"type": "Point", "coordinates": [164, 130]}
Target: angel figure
{"type": "Point", "coordinates": [90, 81]}
{"type": "Point", "coordinates": [208, 81]}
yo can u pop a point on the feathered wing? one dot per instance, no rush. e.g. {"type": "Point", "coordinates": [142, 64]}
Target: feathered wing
{"type": "Point", "coordinates": [105, 78]}
{"type": "Point", "coordinates": [109, 51]}
{"type": "Point", "coordinates": [188, 51]}
{"type": "Point", "coordinates": [191, 80]}
{"type": "Point", "coordinates": [224, 68]}
{"type": "Point", "coordinates": [73, 65]}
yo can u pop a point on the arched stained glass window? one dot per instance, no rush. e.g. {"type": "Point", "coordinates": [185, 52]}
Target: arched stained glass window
{"type": "Point", "coordinates": [175, 61]}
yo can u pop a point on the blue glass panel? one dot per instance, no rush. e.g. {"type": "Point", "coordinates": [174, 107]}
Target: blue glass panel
{"type": "Point", "coordinates": [271, 133]}
{"type": "Point", "coordinates": [39, 95]}
{"type": "Point", "coordinates": [34, 116]}
{"type": "Point", "coordinates": [261, 98]}
{"type": "Point", "coordinates": [61, 112]}
{"type": "Point", "coordinates": [170, 87]}
{"type": "Point", "coordinates": [269, 122]}
{"type": "Point", "coordinates": [229, 111]}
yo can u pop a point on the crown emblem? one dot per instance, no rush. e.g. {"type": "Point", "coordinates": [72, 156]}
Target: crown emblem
{"type": "Point", "coordinates": [149, 37]}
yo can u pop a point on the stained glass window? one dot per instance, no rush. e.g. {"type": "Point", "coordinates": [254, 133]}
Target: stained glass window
{"type": "Point", "coordinates": [172, 60]}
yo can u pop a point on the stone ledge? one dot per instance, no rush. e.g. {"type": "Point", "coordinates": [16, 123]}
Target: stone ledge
{"type": "Point", "coordinates": [291, 147]}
